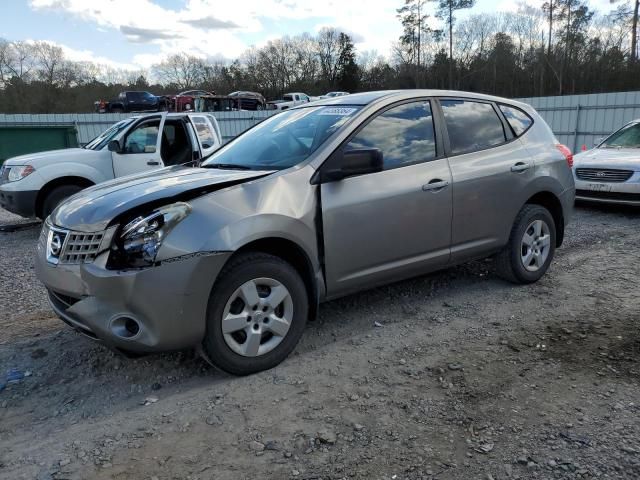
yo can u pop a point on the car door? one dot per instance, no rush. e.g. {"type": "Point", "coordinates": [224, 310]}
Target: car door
{"type": "Point", "coordinates": [395, 223]}
{"type": "Point", "coordinates": [140, 147]}
{"type": "Point", "coordinates": [207, 136]}
{"type": "Point", "coordinates": [490, 169]}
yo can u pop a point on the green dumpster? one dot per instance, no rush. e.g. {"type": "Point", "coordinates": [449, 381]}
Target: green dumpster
{"type": "Point", "coordinates": [22, 139]}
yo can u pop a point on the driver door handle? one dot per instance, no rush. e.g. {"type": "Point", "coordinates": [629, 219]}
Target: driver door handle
{"type": "Point", "coordinates": [520, 167]}
{"type": "Point", "coordinates": [435, 185]}
{"type": "Point", "coordinates": [152, 162]}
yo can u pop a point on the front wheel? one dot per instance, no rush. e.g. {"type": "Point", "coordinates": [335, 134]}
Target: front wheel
{"type": "Point", "coordinates": [531, 246]}
{"type": "Point", "coordinates": [257, 313]}
{"type": "Point", "coordinates": [56, 196]}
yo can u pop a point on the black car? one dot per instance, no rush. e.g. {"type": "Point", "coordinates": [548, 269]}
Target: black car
{"type": "Point", "coordinates": [249, 100]}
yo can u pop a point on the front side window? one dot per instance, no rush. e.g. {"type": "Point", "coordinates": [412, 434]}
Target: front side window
{"type": "Point", "coordinates": [404, 134]}
{"type": "Point", "coordinates": [471, 125]}
{"type": "Point", "coordinates": [143, 139]}
{"type": "Point", "coordinates": [517, 119]}
{"type": "Point", "coordinates": [283, 140]}
{"type": "Point", "coordinates": [627, 137]}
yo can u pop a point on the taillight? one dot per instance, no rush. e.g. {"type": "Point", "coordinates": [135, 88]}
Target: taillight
{"type": "Point", "coordinates": [567, 153]}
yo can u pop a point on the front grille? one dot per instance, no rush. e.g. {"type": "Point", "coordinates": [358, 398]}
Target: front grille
{"type": "Point", "coordinates": [634, 197]}
{"type": "Point", "coordinates": [81, 247]}
{"type": "Point", "coordinates": [603, 174]}
{"type": "Point", "coordinates": [69, 247]}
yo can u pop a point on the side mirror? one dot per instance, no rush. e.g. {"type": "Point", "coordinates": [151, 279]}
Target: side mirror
{"type": "Point", "coordinates": [114, 146]}
{"type": "Point", "coordinates": [149, 149]}
{"type": "Point", "coordinates": [353, 162]}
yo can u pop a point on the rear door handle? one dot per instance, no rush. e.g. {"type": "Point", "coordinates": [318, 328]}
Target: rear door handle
{"type": "Point", "coordinates": [520, 167]}
{"type": "Point", "coordinates": [435, 185]}
{"type": "Point", "coordinates": [153, 163]}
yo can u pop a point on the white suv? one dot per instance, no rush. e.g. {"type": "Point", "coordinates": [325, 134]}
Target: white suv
{"type": "Point", "coordinates": [33, 185]}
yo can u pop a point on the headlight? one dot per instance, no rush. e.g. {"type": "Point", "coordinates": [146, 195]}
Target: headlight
{"type": "Point", "coordinates": [19, 172]}
{"type": "Point", "coordinates": [139, 241]}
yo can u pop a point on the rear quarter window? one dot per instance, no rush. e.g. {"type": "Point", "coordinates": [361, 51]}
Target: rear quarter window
{"type": "Point", "coordinates": [518, 120]}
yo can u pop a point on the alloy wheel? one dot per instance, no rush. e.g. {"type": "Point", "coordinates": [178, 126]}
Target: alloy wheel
{"type": "Point", "coordinates": [535, 246]}
{"type": "Point", "coordinates": [257, 317]}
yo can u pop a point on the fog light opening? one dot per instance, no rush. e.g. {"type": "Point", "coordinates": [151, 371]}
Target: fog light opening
{"type": "Point", "coordinates": [132, 326]}
{"type": "Point", "coordinates": [125, 327]}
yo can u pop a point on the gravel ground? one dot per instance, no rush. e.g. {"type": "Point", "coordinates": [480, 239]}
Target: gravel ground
{"type": "Point", "coordinates": [468, 377]}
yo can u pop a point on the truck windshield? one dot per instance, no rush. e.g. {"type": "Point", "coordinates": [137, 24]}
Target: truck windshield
{"type": "Point", "coordinates": [105, 137]}
{"type": "Point", "coordinates": [283, 140]}
{"type": "Point", "coordinates": [627, 137]}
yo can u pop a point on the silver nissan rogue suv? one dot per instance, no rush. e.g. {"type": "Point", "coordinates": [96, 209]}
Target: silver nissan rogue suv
{"type": "Point", "coordinates": [311, 204]}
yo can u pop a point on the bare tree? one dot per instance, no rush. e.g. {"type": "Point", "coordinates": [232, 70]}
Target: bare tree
{"type": "Point", "coordinates": [181, 69]}
{"type": "Point", "coordinates": [328, 50]}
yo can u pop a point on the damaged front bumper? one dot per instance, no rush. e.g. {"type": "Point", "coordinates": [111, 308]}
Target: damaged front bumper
{"type": "Point", "coordinates": [148, 310]}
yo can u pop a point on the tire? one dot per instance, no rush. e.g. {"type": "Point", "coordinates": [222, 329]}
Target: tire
{"type": "Point", "coordinates": [56, 196]}
{"type": "Point", "coordinates": [259, 106]}
{"type": "Point", "coordinates": [526, 259]}
{"type": "Point", "coordinates": [232, 321]}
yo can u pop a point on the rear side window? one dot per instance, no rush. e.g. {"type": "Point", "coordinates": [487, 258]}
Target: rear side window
{"type": "Point", "coordinates": [205, 133]}
{"type": "Point", "coordinates": [404, 134]}
{"type": "Point", "coordinates": [518, 120]}
{"type": "Point", "coordinates": [472, 125]}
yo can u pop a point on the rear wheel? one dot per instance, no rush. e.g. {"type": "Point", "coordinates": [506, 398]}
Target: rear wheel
{"type": "Point", "coordinates": [257, 313]}
{"type": "Point", "coordinates": [56, 196]}
{"type": "Point", "coordinates": [531, 246]}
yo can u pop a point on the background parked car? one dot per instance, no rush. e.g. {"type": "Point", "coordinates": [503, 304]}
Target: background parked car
{"type": "Point", "coordinates": [33, 185]}
{"type": "Point", "coordinates": [610, 172]}
{"type": "Point", "coordinates": [132, 101]}
{"type": "Point", "coordinates": [249, 100]}
{"type": "Point", "coordinates": [289, 100]}
{"type": "Point", "coordinates": [185, 101]}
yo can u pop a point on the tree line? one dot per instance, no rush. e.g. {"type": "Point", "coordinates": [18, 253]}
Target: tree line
{"type": "Point", "coordinates": [563, 47]}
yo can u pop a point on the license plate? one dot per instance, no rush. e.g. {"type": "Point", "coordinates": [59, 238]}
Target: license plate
{"type": "Point", "coordinates": [599, 187]}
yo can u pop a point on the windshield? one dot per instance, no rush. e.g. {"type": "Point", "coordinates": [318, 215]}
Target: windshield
{"type": "Point", "coordinates": [627, 137]}
{"type": "Point", "coordinates": [283, 140]}
{"type": "Point", "coordinates": [105, 137]}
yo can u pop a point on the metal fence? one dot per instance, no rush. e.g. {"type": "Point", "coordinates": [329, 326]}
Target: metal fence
{"type": "Point", "coordinates": [580, 120]}
{"type": "Point", "coordinates": [576, 120]}
{"type": "Point", "coordinates": [90, 125]}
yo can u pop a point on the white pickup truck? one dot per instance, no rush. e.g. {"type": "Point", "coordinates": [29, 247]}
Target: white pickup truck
{"type": "Point", "coordinates": [33, 185]}
{"type": "Point", "coordinates": [289, 100]}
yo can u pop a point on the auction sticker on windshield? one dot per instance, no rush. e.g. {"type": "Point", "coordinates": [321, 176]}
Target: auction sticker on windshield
{"type": "Point", "coordinates": [340, 111]}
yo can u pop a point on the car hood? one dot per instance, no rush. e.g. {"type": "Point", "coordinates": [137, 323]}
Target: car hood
{"type": "Point", "coordinates": [42, 158]}
{"type": "Point", "coordinates": [94, 208]}
{"type": "Point", "coordinates": [623, 158]}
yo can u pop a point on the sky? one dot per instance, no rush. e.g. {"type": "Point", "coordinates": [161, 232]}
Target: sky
{"type": "Point", "coordinates": [135, 34]}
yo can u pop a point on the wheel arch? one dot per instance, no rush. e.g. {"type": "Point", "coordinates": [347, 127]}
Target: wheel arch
{"type": "Point", "coordinates": [57, 182]}
{"type": "Point", "coordinates": [296, 256]}
{"type": "Point", "coordinates": [551, 202]}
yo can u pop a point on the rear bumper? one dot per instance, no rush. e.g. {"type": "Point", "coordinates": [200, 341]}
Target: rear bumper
{"type": "Point", "coordinates": [168, 303]}
{"type": "Point", "coordinates": [20, 202]}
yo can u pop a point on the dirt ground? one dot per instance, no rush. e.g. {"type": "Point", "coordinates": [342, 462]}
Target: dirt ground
{"type": "Point", "coordinates": [455, 375]}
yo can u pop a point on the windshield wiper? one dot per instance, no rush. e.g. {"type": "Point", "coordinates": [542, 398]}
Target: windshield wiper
{"type": "Point", "coordinates": [227, 166]}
